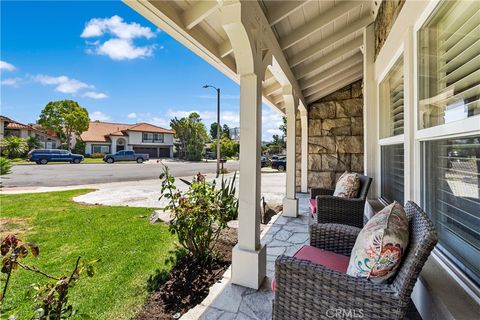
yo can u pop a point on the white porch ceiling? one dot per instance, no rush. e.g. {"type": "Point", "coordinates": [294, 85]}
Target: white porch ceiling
{"type": "Point", "coordinates": [320, 39]}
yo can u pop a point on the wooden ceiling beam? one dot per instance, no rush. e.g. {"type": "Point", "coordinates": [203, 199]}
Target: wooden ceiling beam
{"type": "Point", "coordinates": [306, 69]}
{"type": "Point", "coordinates": [328, 41]}
{"type": "Point", "coordinates": [314, 25]}
{"type": "Point", "coordinates": [198, 12]}
{"type": "Point", "coordinates": [333, 70]}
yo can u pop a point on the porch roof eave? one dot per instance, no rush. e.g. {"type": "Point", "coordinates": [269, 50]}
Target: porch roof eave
{"type": "Point", "coordinates": [197, 25]}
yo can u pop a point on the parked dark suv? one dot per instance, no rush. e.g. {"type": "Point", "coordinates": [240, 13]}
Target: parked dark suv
{"type": "Point", "coordinates": [44, 156]}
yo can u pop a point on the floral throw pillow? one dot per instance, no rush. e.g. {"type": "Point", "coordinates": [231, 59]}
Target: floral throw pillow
{"type": "Point", "coordinates": [380, 245]}
{"type": "Point", "coordinates": [347, 185]}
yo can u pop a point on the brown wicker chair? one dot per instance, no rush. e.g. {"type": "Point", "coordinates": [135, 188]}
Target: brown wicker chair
{"type": "Point", "coordinates": [307, 291]}
{"type": "Point", "coordinates": [349, 211]}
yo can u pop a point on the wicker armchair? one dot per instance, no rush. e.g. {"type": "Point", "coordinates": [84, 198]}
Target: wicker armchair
{"type": "Point", "coordinates": [309, 291]}
{"type": "Point", "coordinates": [349, 211]}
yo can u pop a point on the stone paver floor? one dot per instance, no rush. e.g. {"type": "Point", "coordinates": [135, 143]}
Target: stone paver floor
{"type": "Point", "coordinates": [229, 301]}
{"type": "Point", "coordinates": [282, 235]}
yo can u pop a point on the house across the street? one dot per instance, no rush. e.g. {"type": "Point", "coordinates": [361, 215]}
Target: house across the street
{"type": "Point", "coordinates": [10, 127]}
{"type": "Point", "coordinates": [107, 137]}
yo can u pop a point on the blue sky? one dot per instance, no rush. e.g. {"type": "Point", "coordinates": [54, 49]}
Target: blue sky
{"type": "Point", "coordinates": [112, 61]}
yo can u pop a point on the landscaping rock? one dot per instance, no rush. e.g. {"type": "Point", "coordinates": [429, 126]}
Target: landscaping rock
{"type": "Point", "coordinates": [160, 216]}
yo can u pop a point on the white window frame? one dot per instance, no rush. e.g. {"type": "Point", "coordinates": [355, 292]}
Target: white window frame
{"type": "Point", "coordinates": [460, 128]}
{"type": "Point", "coordinates": [398, 139]}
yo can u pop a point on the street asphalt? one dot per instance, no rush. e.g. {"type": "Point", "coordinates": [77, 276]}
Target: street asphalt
{"type": "Point", "coordinates": [54, 175]}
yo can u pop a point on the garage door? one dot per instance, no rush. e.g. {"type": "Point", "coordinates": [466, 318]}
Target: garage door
{"type": "Point", "coordinates": [152, 152]}
{"type": "Point", "coordinates": [164, 152]}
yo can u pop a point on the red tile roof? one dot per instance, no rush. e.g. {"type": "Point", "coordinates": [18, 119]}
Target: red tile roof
{"type": "Point", "coordinates": [146, 127]}
{"type": "Point", "coordinates": [12, 124]}
{"type": "Point", "coordinates": [100, 131]}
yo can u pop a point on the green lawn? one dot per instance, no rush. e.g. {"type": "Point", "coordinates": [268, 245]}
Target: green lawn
{"type": "Point", "coordinates": [130, 247]}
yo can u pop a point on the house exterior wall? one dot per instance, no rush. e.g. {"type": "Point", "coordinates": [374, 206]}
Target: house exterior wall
{"type": "Point", "coordinates": [443, 291]}
{"type": "Point", "coordinates": [135, 138]}
{"type": "Point", "coordinates": [335, 137]}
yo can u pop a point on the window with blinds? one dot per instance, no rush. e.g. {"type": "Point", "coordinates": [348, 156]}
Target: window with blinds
{"type": "Point", "coordinates": [451, 192]}
{"type": "Point", "coordinates": [391, 101]}
{"type": "Point", "coordinates": [392, 184]}
{"type": "Point", "coordinates": [449, 64]}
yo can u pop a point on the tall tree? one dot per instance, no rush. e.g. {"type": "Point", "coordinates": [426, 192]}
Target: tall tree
{"type": "Point", "coordinates": [213, 130]}
{"type": "Point", "coordinates": [224, 131]}
{"type": "Point", "coordinates": [283, 126]}
{"type": "Point", "coordinates": [64, 117]}
{"type": "Point", "coordinates": [192, 134]}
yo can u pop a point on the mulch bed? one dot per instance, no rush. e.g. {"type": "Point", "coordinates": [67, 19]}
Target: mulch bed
{"type": "Point", "coordinates": [188, 283]}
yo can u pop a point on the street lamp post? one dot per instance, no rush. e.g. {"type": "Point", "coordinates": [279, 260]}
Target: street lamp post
{"type": "Point", "coordinates": [218, 125]}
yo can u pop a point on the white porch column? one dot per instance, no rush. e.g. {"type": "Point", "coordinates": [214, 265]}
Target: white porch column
{"type": "Point", "coordinates": [248, 256]}
{"type": "Point", "coordinates": [304, 144]}
{"type": "Point", "coordinates": [370, 121]}
{"type": "Point", "coordinates": [290, 203]}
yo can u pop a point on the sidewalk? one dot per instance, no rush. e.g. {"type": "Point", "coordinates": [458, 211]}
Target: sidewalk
{"type": "Point", "coordinates": [145, 193]}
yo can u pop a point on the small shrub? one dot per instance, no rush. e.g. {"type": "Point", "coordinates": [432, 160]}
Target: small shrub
{"type": "Point", "coordinates": [79, 147]}
{"type": "Point", "coordinates": [50, 298]}
{"type": "Point", "coordinates": [200, 213]}
{"type": "Point", "coordinates": [97, 155]}
{"type": "Point", "coordinates": [13, 147]}
{"type": "Point", "coordinates": [5, 166]}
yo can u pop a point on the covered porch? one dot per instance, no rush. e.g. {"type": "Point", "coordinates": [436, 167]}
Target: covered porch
{"type": "Point", "coordinates": [346, 75]}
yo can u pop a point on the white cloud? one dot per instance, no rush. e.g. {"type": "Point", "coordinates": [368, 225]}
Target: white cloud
{"type": "Point", "coordinates": [13, 82]}
{"type": "Point", "coordinates": [123, 49]}
{"type": "Point", "coordinates": [63, 84]}
{"type": "Point", "coordinates": [95, 95]}
{"type": "Point", "coordinates": [120, 45]}
{"type": "Point", "coordinates": [4, 65]}
{"type": "Point", "coordinates": [161, 122]}
{"type": "Point", "coordinates": [271, 121]}
{"type": "Point", "coordinates": [132, 115]}
{"type": "Point", "coordinates": [117, 27]}
{"type": "Point", "coordinates": [100, 116]}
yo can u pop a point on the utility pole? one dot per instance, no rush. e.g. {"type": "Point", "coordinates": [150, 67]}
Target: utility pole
{"type": "Point", "coordinates": [218, 126]}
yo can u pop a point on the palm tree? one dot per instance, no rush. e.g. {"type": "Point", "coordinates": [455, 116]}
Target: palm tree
{"type": "Point", "coordinates": [14, 147]}
{"type": "Point", "coordinates": [33, 143]}
{"type": "Point", "coordinates": [5, 166]}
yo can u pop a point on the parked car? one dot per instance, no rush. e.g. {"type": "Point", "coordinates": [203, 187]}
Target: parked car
{"type": "Point", "coordinates": [210, 155]}
{"type": "Point", "coordinates": [280, 163]}
{"type": "Point", "coordinates": [264, 162]}
{"type": "Point", "coordinates": [44, 156]}
{"type": "Point", "coordinates": [126, 155]}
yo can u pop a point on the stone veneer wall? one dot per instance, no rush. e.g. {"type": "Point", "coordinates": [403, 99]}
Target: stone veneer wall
{"type": "Point", "coordinates": [335, 137]}
{"type": "Point", "coordinates": [387, 14]}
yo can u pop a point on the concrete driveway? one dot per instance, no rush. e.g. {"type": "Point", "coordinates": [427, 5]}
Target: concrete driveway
{"type": "Point", "coordinates": [53, 175]}
{"type": "Point", "coordinates": [146, 193]}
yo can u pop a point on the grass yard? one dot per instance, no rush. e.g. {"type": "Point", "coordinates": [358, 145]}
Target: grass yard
{"type": "Point", "coordinates": [130, 247]}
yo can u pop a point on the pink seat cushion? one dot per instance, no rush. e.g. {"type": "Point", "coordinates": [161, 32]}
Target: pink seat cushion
{"type": "Point", "coordinates": [330, 260]}
{"type": "Point", "coordinates": [313, 205]}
